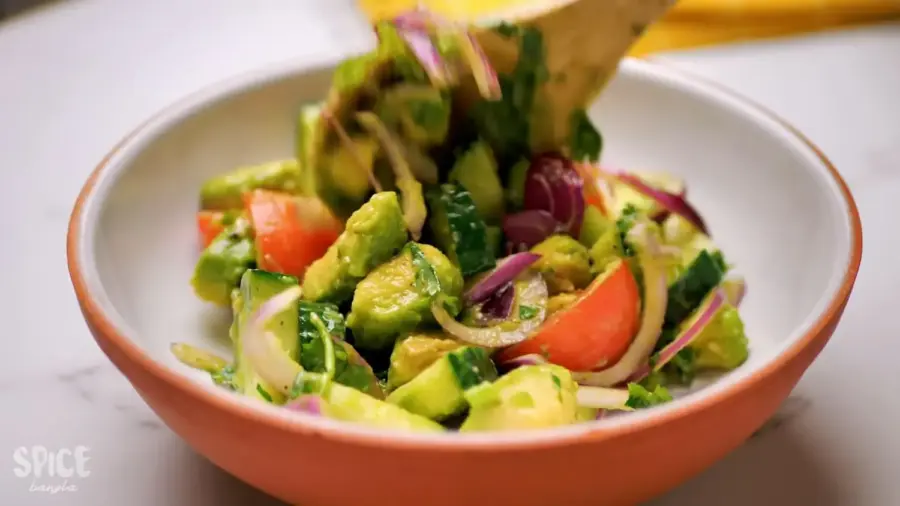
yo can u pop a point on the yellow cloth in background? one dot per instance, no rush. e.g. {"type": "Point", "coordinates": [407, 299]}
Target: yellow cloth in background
{"type": "Point", "coordinates": [691, 23]}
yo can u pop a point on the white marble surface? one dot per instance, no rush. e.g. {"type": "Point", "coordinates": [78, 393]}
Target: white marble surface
{"type": "Point", "coordinates": [75, 77]}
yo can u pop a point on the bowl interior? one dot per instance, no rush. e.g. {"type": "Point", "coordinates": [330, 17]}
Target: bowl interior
{"type": "Point", "coordinates": [769, 200]}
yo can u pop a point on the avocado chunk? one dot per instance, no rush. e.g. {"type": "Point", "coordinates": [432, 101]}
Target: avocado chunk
{"type": "Point", "coordinates": [258, 286]}
{"type": "Point", "coordinates": [515, 185]}
{"type": "Point", "coordinates": [438, 392]}
{"type": "Point", "coordinates": [226, 191]}
{"type": "Point", "coordinates": [342, 174]}
{"type": "Point", "coordinates": [414, 353]}
{"type": "Point", "coordinates": [458, 229]}
{"type": "Point", "coordinates": [372, 235]}
{"type": "Point", "coordinates": [351, 405]}
{"type": "Point", "coordinates": [350, 368]}
{"type": "Point", "coordinates": [593, 226]}
{"type": "Point", "coordinates": [393, 299]}
{"type": "Point", "coordinates": [421, 113]}
{"type": "Point", "coordinates": [529, 397]}
{"type": "Point", "coordinates": [476, 170]}
{"type": "Point", "coordinates": [564, 264]}
{"type": "Point", "coordinates": [223, 262]}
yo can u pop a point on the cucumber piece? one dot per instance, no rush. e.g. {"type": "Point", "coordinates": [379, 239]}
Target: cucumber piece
{"type": "Point", "coordinates": [350, 368]}
{"type": "Point", "coordinates": [258, 286]}
{"type": "Point", "coordinates": [223, 262]}
{"type": "Point", "coordinates": [476, 170]}
{"type": "Point", "coordinates": [459, 230]}
{"type": "Point", "coordinates": [438, 392]}
{"type": "Point", "coordinates": [415, 353]}
{"type": "Point", "coordinates": [688, 291]}
{"type": "Point", "coordinates": [226, 191]}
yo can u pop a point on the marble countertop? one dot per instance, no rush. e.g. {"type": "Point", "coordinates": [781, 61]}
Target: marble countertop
{"type": "Point", "coordinates": [75, 77]}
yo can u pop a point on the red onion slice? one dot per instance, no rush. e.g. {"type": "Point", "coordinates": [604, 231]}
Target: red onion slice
{"type": "Point", "coordinates": [523, 360]}
{"type": "Point", "coordinates": [554, 185]}
{"type": "Point", "coordinates": [528, 228]}
{"type": "Point", "coordinates": [533, 292]}
{"type": "Point", "coordinates": [309, 404]}
{"type": "Point", "coordinates": [673, 203]}
{"type": "Point", "coordinates": [420, 44]}
{"type": "Point", "coordinates": [653, 314]}
{"type": "Point", "coordinates": [499, 305]}
{"type": "Point", "coordinates": [263, 349]}
{"type": "Point", "coordinates": [506, 271]}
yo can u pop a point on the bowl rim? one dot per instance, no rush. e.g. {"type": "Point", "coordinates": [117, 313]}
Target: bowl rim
{"type": "Point", "coordinates": [113, 340]}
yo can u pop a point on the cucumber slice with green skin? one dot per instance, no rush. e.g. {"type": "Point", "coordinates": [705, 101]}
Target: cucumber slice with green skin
{"type": "Point", "coordinates": [258, 286]}
{"type": "Point", "coordinates": [688, 291]}
{"type": "Point", "coordinates": [223, 262]}
{"type": "Point", "coordinates": [350, 368]}
{"type": "Point", "coordinates": [459, 230]}
{"type": "Point", "coordinates": [226, 191]}
{"type": "Point", "coordinates": [438, 392]}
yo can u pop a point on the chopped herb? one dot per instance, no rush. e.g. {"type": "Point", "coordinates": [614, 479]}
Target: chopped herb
{"type": "Point", "coordinates": [225, 377]}
{"type": "Point", "coordinates": [556, 381]}
{"type": "Point", "coordinates": [506, 123]}
{"type": "Point", "coordinates": [639, 397]}
{"type": "Point", "coordinates": [507, 30]}
{"type": "Point", "coordinates": [585, 142]}
{"type": "Point", "coordinates": [426, 277]}
{"type": "Point", "coordinates": [262, 392]}
{"type": "Point", "coordinates": [527, 312]}
{"type": "Point", "coordinates": [623, 225]}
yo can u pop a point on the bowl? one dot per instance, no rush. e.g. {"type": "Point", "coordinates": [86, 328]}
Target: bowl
{"type": "Point", "coordinates": [775, 205]}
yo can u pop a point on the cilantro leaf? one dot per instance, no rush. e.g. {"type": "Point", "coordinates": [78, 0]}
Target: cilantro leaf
{"type": "Point", "coordinates": [639, 397]}
{"type": "Point", "coordinates": [426, 277]}
{"type": "Point", "coordinates": [585, 142]}
{"type": "Point", "coordinates": [527, 312]}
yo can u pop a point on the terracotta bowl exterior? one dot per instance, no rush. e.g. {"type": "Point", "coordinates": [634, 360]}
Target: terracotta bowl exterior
{"type": "Point", "coordinates": [780, 211]}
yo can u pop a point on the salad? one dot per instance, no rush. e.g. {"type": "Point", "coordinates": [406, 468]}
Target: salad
{"type": "Point", "coordinates": [420, 265]}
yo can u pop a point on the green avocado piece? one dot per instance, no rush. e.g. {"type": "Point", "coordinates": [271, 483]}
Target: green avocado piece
{"type": "Point", "coordinates": [341, 174]}
{"type": "Point", "coordinates": [722, 344]}
{"type": "Point", "coordinates": [223, 262]}
{"type": "Point", "coordinates": [421, 113]}
{"type": "Point", "coordinates": [529, 397]}
{"type": "Point", "coordinates": [515, 186]}
{"type": "Point", "coordinates": [495, 239]}
{"type": "Point", "coordinates": [392, 300]}
{"type": "Point", "coordinates": [351, 405]}
{"type": "Point", "coordinates": [593, 226]}
{"type": "Point", "coordinates": [226, 191]}
{"type": "Point", "coordinates": [258, 286]}
{"type": "Point", "coordinates": [564, 264]}
{"type": "Point", "coordinates": [459, 230]}
{"type": "Point", "coordinates": [372, 235]}
{"type": "Point", "coordinates": [476, 170]}
{"type": "Point", "coordinates": [438, 392]}
{"type": "Point", "coordinates": [414, 353]}
{"type": "Point", "coordinates": [350, 368]}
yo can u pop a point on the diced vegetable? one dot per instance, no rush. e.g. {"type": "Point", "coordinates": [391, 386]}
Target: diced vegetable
{"type": "Point", "coordinates": [506, 271]}
{"type": "Point", "coordinates": [531, 292]}
{"type": "Point", "coordinates": [226, 191]}
{"type": "Point", "coordinates": [459, 230]}
{"type": "Point", "coordinates": [528, 228]}
{"type": "Point", "coordinates": [685, 295]}
{"type": "Point", "coordinates": [414, 353]}
{"type": "Point", "coordinates": [350, 368]}
{"type": "Point", "coordinates": [515, 184]}
{"type": "Point", "coordinates": [372, 235]}
{"type": "Point", "coordinates": [420, 114]}
{"type": "Point", "coordinates": [476, 170]}
{"type": "Point", "coordinates": [212, 223]}
{"type": "Point", "coordinates": [676, 204]}
{"type": "Point", "coordinates": [223, 262]}
{"type": "Point", "coordinates": [553, 185]}
{"type": "Point", "coordinates": [438, 392]}
{"type": "Point", "coordinates": [291, 232]}
{"type": "Point", "coordinates": [595, 331]}
{"type": "Point", "coordinates": [564, 263]}
{"type": "Point", "coordinates": [396, 297]}
{"type": "Point", "coordinates": [593, 226]}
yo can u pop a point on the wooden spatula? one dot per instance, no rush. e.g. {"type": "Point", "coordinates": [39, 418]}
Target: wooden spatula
{"type": "Point", "coordinates": [584, 41]}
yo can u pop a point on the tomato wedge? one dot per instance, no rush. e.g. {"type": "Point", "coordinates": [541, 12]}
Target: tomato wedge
{"type": "Point", "coordinates": [291, 232]}
{"type": "Point", "coordinates": [595, 331]}
{"type": "Point", "coordinates": [210, 224]}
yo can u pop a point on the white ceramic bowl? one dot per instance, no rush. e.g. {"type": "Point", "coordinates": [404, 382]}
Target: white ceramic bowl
{"type": "Point", "coordinates": [773, 204]}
